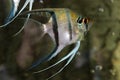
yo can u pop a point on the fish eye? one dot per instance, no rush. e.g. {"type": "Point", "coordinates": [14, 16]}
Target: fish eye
{"type": "Point", "coordinates": [83, 23]}
{"type": "Point", "coordinates": [79, 20]}
{"type": "Point", "coordinates": [86, 21]}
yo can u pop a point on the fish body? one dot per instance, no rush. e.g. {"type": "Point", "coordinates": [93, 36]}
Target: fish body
{"type": "Point", "coordinates": [64, 27]}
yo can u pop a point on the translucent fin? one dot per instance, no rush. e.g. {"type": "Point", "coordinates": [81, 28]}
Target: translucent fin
{"type": "Point", "coordinates": [56, 50]}
{"type": "Point", "coordinates": [69, 60]}
{"type": "Point", "coordinates": [74, 51]}
{"type": "Point", "coordinates": [32, 23]}
{"type": "Point", "coordinates": [30, 8]}
{"type": "Point", "coordinates": [70, 56]}
{"type": "Point", "coordinates": [25, 4]}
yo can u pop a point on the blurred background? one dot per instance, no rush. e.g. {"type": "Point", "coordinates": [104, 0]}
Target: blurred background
{"type": "Point", "coordinates": [99, 54]}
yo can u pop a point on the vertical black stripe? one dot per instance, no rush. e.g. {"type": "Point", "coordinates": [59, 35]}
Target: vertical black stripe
{"type": "Point", "coordinates": [69, 23]}
{"type": "Point", "coordinates": [55, 28]}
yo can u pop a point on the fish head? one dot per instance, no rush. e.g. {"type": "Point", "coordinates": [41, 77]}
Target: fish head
{"type": "Point", "coordinates": [80, 26]}
{"type": "Point", "coordinates": [83, 25]}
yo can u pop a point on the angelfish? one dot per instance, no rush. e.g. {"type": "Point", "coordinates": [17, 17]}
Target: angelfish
{"type": "Point", "coordinates": [65, 28]}
{"type": "Point", "coordinates": [13, 12]}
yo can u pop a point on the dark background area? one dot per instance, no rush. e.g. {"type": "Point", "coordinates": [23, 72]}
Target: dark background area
{"type": "Point", "coordinates": [99, 52]}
